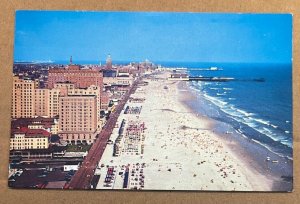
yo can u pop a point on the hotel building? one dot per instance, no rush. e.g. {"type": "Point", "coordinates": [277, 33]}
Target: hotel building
{"type": "Point", "coordinates": [46, 102]}
{"type": "Point", "coordinates": [91, 90]}
{"type": "Point", "coordinates": [25, 139]}
{"type": "Point", "coordinates": [23, 97]}
{"type": "Point", "coordinates": [78, 118]}
{"type": "Point", "coordinates": [81, 78]}
{"type": "Point", "coordinates": [29, 101]}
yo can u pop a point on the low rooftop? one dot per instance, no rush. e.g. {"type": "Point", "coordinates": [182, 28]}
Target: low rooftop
{"type": "Point", "coordinates": [31, 132]}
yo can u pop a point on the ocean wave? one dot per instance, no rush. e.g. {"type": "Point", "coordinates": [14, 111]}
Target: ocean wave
{"type": "Point", "coordinates": [287, 143]}
{"type": "Point", "coordinates": [213, 88]}
{"type": "Point", "coordinates": [249, 122]}
{"type": "Point", "coordinates": [239, 112]}
{"type": "Point", "coordinates": [241, 132]}
{"type": "Point", "coordinates": [268, 133]}
{"type": "Point", "coordinates": [275, 137]}
{"type": "Point", "coordinates": [269, 148]}
{"type": "Point", "coordinates": [263, 130]}
{"type": "Point", "coordinates": [216, 101]}
{"type": "Point", "coordinates": [274, 126]}
{"type": "Point", "coordinates": [267, 130]}
{"type": "Point", "coordinates": [231, 111]}
{"type": "Point", "coordinates": [247, 118]}
{"type": "Point", "coordinates": [265, 122]}
{"type": "Point", "coordinates": [244, 112]}
{"type": "Point", "coordinates": [228, 88]}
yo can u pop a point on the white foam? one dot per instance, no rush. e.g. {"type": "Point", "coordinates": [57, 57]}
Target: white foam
{"type": "Point", "coordinates": [269, 134]}
{"type": "Point", "coordinates": [243, 116]}
{"type": "Point", "coordinates": [266, 146]}
{"type": "Point", "coordinates": [274, 126]}
{"type": "Point", "coordinates": [244, 112]}
{"type": "Point", "coordinates": [216, 101]}
{"type": "Point", "coordinates": [239, 131]}
{"type": "Point", "coordinates": [267, 130]}
{"type": "Point", "coordinates": [287, 143]}
{"type": "Point", "coordinates": [251, 123]}
{"type": "Point", "coordinates": [232, 113]}
{"type": "Point", "coordinates": [262, 121]}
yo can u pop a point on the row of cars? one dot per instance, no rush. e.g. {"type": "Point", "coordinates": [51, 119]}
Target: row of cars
{"type": "Point", "coordinates": [110, 177]}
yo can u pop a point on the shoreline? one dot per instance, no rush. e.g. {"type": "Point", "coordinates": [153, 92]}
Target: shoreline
{"type": "Point", "coordinates": [279, 175]}
{"type": "Point", "coordinates": [179, 149]}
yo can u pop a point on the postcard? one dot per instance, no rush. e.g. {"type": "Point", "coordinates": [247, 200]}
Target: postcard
{"type": "Point", "coordinates": [152, 101]}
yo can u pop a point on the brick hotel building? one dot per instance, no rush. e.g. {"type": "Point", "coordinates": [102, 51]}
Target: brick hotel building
{"type": "Point", "coordinates": [78, 118]}
{"type": "Point", "coordinates": [81, 78]}
{"type": "Point", "coordinates": [46, 102]}
{"type": "Point", "coordinates": [29, 101]}
{"type": "Point", "coordinates": [23, 97]}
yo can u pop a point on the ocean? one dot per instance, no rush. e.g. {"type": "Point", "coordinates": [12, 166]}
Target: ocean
{"type": "Point", "coordinates": [259, 110]}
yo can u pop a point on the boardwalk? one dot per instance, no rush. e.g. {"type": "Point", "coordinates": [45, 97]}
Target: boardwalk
{"type": "Point", "coordinates": [83, 177]}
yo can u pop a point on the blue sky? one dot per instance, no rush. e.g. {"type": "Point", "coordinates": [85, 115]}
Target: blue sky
{"type": "Point", "coordinates": [136, 36]}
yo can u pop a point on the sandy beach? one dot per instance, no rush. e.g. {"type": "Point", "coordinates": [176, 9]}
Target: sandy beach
{"type": "Point", "coordinates": [178, 149]}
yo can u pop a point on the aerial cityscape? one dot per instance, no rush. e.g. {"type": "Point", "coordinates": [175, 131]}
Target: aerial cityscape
{"type": "Point", "coordinates": [174, 111]}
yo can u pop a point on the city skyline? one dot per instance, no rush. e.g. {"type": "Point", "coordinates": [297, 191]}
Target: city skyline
{"type": "Point", "coordinates": [185, 37]}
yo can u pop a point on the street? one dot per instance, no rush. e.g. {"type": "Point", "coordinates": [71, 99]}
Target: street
{"type": "Point", "coordinates": [83, 177]}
